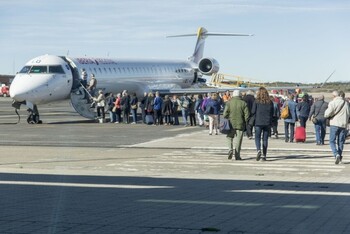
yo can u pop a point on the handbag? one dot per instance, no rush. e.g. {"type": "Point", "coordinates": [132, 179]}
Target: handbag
{"type": "Point", "coordinates": [225, 126]}
{"type": "Point", "coordinates": [285, 112]}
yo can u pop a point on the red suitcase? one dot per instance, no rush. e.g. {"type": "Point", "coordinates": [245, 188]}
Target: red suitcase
{"type": "Point", "coordinates": [300, 134]}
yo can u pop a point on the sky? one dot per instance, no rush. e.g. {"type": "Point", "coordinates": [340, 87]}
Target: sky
{"type": "Point", "coordinates": [294, 40]}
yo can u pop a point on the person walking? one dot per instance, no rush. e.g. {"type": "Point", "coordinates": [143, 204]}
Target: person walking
{"type": "Point", "coordinates": [275, 117]}
{"type": "Point", "coordinates": [143, 107]}
{"type": "Point", "coordinates": [213, 112]}
{"type": "Point", "coordinates": [289, 122]}
{"type": "Point", "coordinates": [303, 110]}
{"type": "Point", "coordinates": [157, 107]}
{"type": "Point", "coordinates": [185, 102]}
{"type": "Point", "coordinates": [249, 99]}
{"type": "Point", "coordinates": [338, 112]}
{"type": "Point", "coordinates": [262, 112]}
{"type": "Point", "coordinates": [101, 103]}
{"type": "Point", "coordinates": [167, 110]}
{"type": "Point", "coordinates": [316, 115]}
{"type": "Point", "coordinates": [134, 105]}
{"type": "Point", "coordinates": [236, 110]}
{"type": "Point", "coordinates": [199, 111]}
{"type": "Point", "coordinates": [83, 79]}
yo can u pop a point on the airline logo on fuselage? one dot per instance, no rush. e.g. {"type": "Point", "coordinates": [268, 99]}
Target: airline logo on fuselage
{"type": "Point", "coordinates": [96, 61]}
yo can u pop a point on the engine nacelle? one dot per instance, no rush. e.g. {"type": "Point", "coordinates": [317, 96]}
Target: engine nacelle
{"type": "Point", "coordinates": [208, 66]}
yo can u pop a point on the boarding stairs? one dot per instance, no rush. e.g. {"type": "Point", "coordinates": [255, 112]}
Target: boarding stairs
{"type": "Point", "coordinates": [81, 100]}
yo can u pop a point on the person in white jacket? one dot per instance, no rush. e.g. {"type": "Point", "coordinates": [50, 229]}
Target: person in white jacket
{"type": "Point", "coordinates": [338, 112]}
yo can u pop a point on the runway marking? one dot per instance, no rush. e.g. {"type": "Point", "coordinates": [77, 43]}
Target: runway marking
{"type": "Point", "coordinates": [216, 203]}
{"type": "Point", "coordinates": [293, 192]}
{"type": "Point", "coordinates": [118, 186]}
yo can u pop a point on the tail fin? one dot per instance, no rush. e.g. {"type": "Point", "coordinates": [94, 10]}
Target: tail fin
{"type": "Point", "coordinates": [202, 34]}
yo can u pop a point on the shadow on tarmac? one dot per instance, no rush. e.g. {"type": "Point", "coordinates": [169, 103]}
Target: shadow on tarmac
{"type": "Point", "coordinates": [33, 203]}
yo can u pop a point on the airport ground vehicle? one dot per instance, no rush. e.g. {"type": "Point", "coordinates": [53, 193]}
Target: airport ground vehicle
{"type": "Point", "coordinates": [4, 91]}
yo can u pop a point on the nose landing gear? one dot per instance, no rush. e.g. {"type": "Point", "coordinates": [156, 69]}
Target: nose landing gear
{"type": "Point", "coordinates": [33, 116]}
{"type": "Point", "coordinates": [33, 113]}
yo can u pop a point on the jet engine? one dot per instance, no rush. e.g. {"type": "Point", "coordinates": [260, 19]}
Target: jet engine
{"type": "Point", "coordinates": [208, 66]}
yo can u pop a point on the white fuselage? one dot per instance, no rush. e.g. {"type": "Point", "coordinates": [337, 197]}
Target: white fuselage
{"type": "Point", "coordinates": [51, 78]}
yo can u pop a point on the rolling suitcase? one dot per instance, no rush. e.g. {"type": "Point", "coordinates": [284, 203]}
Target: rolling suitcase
{"type": "Point", "coordinates": [300, 134]}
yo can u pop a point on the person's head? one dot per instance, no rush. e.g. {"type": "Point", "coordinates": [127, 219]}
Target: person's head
{"type": "Point", "coordinates": [166, 97]}
{"type": "Point", "coordinates": [236, 93]}
{"type": "Point", "coordinates": [341, 94]}
{"type": "Point", "coordinates": [150, 94]}
{"type": "Point", "coordinates": [157, 94]}
{"type": "Point", "coordinates": [92, 76]}
{"type": "Point", "coordinates": [262, 96]}
{"type": "Point", "coordinates": [214, 96]}
{"type": "Point", "coordinates": [250, 92]}
{"type": "Point", "coordinates": [320, 97]}
{"type": "Point", "coordinates": [200, 96]}
{"type": "Point", "coordinates": [119, 95]}
{"type": "Point", "coordinates": [100, 91]}
{"type": "Point", "coordinates": [335, 93]}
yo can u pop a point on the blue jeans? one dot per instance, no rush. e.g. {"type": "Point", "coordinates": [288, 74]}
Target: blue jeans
{"type": "Point", "coordinates": [184, 115]}
{"type": "Point", "coordinates": [264, 130]}
{"type": "Point", "coordinates": [289, 136]}
{"type": "Point", "coordinates": [112, 116]}
{"type": "Point", "coordinates": [320, 129]}
{"type": "Point", "coordinates": [134, 115]}
{"type": "Point", "coordinates": [337, 137]}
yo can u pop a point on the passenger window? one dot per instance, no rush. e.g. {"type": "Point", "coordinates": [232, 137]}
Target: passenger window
{"type": "Point", "coordinates": [56, 69]}
{"type": "Point", "coordinates": [38, 69]}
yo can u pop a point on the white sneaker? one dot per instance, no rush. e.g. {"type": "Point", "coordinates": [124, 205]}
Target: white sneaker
{"type": "Point", "coordinates": [337, 159]}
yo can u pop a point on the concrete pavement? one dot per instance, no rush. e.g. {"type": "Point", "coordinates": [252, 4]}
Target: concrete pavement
{"type": "Point", "coordinates": [62, 178]}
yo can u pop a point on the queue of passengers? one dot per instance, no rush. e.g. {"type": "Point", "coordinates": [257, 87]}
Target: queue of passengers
{"type": "Point", "coordinates": [245, 112]}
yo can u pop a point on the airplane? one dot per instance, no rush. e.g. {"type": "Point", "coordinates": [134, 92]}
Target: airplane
{"type": "Point", "coordinates": [50, 78]}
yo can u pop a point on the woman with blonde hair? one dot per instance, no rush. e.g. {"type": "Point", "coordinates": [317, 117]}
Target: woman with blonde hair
{"type": "Point", "coordinates": [262, 113]}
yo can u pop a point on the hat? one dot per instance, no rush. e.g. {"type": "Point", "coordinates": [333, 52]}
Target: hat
{"type": "Point", "coordinates": [236, 93]}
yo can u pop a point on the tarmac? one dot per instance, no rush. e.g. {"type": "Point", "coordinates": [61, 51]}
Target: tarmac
{"type": "Point", "coordinates": [72, 175]}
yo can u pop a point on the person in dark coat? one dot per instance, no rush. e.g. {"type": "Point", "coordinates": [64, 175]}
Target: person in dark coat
{"type": "Point", "coordinates": [249, 99]}
{"type": "Point", "coordinates": [167, 110]}
{"type": "Point", "coordinates": [317, 112]}
{"type": "Point", "coordinates": [303, 110]}
{"type": "Point", "coordinates": [289, 123]}
{"type": "Point", "coordinates": [262, 112]}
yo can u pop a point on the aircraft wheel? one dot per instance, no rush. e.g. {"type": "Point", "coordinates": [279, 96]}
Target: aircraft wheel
{"type": "Point", "coordinates": [33, 119]}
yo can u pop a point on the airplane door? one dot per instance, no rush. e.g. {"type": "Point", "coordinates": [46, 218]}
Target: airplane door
{"type": "Point", "coordinates": [195, 78]}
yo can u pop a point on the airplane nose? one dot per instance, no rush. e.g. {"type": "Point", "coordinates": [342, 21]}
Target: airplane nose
{"type": "Point", "coordinates": [16, 93]}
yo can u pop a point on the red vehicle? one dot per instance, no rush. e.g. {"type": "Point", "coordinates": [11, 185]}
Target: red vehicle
{"type": "Point", "coordinates": [4, 91]}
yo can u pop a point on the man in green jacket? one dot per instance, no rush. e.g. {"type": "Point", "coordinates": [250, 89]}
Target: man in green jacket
{"type": "Point", "coordinates": [236, 110]}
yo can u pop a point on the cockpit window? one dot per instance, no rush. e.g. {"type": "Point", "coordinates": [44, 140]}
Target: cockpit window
{"type": "Point", "coordinates": [56, 69]}
{"type": "Point", "coordinates": [25, 69]}
{"type": "Point", "coordinates": [38, 69]}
